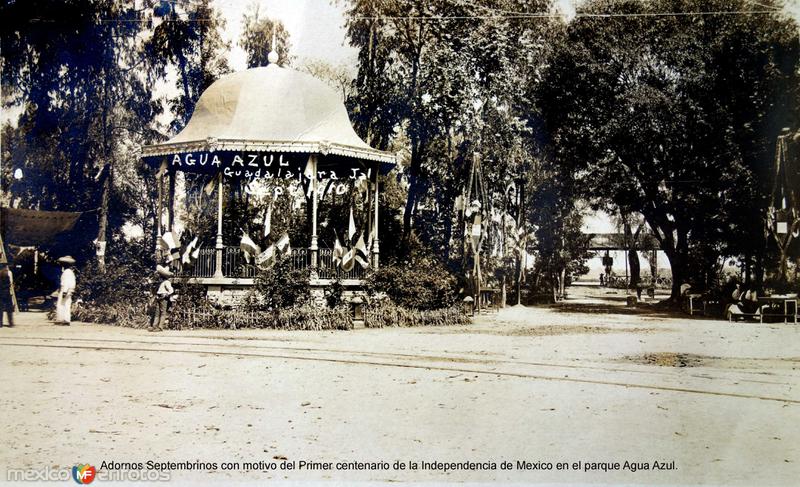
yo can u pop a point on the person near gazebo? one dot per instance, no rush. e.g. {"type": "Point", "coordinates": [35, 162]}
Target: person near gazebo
{"type": "Point", "coordinates": [6, 301]}
{"type": "Point", "coordinates": [162, 296]}
{"type": "Point", "coordinates": [65, 291]}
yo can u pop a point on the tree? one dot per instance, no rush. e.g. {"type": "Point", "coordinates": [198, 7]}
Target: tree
{"type": "Point", "coordinates": [670, 117]}
{"type": "Point", "coordinates": [258, 32]}
{"type": "Point", "coordinates": [338, 77]}
{"type": "Point", "coordinates": [77, 71]}
{"type": "Point", "coordinates": [561, 248]}
{"type": "Point", "coordinates": [189, 40]}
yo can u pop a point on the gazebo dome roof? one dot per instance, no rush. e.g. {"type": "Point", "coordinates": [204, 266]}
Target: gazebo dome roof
{"type": "Point", "coordinates": [270, 109]}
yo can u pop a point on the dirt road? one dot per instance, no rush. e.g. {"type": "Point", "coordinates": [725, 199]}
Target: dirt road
{"type": "Point", "coordinates": [589, 381]}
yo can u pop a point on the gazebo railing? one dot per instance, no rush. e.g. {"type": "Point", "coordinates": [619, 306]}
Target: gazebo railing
{"type": "Point", "coordinates": [204, 265]}
{"type": "Point", "coordinates": [327, 270]}
{"type": "Point", "coordinates": [235, 265]}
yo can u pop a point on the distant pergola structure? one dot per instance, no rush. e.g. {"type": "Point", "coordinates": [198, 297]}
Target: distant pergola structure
{"type": "Point", "coordinates": [269, 123]}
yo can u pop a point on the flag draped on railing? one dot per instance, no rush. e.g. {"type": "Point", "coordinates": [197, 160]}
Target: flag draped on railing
{"type": "Point", "coordinates": [268, 257]}
{"type": "Point", "coordinates": [187, 256]}
{"type": "Point", "coordinates": [338, 250]}
{"type": "Point", "coordinates": [361, 253]}
{"type": "Point", "coordinates": [249, 247]}
{"type": "Point", "coordinates": [353, 251]}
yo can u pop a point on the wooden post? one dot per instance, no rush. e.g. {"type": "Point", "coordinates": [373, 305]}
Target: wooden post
{"type": "Point", "coordinates": [219, 247]}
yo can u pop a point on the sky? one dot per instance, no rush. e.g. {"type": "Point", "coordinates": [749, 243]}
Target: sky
{"type": "Point", "coordinates": [316, 28]}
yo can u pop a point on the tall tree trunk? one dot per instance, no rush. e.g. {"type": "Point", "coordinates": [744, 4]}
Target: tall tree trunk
{"type": "Point", "coordinates": [633, 263]}
{"type": "Point", "coordinates": [747, 264]}
{"type": "Point", "coordinates": [678, 261]}
{"type": "Point", "coordinates": [448, 232]}
{"type": "Point", "coordinates": [413, 187]}
{"type": "Point", "coordinates": [103, 227]}
{"type": "Point", "coordinates": [633, 256]}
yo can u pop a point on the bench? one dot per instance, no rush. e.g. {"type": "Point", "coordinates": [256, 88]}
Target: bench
{"type": "Point", "coordinates": [731, 316]}
{"type": "Point", "coordinates": [702, 304]}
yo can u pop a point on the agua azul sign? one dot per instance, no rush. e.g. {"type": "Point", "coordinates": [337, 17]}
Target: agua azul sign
{"type": "Point", "coordinates": [260, 169]}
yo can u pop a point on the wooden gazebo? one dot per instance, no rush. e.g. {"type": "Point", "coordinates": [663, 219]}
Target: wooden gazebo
{"type": "Point", "coordinates": [269, 122]}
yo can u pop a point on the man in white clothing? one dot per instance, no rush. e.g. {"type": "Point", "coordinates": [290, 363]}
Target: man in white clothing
{"type": "Point", "coordinates": [65, 291]}
{"type": "Point", "coordinates": [162, 298]}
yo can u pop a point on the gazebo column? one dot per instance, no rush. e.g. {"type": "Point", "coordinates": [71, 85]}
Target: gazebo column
{"type": "Point", "coordinates": [219, 246]}
{"type": "Point", "coordinates": [159, 197]}
{"type": "Point", "coordinates": [171, 201]}
{"type": "Point", "coordinates": [375, 246]}
{"type": "Point", "coordinates": [314, 247]}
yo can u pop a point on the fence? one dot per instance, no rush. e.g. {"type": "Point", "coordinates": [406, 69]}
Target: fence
{"type": "Point", "coordinates": [621, 282]}
{"type": "Point", "coordinates": [327, 269]}
{"type": "Point", "coordinates": [234, 264]}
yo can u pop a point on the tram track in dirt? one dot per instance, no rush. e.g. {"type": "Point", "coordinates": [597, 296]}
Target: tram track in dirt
{"type": "Point", "coordinates": [455, 357]}
{"type": "Point", "coordinates": [161, 348]}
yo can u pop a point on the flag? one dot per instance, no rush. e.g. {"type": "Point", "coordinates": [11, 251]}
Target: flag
{"type": "Point", "coordinates": [211, 185]}
{"type": "Point", "coordinates": [362, 185]}
{"type": "Point", "coordinates": [186, 258]}
{"type": "Point", "coordinates": [283, 245]}
{"type": "Point", "coordinates": [349, 260]}
{"type": "Point", "coordinates": [308, 172]}
{"type": "Point", "coordinates": [371, 241]}
{"type": "Point", "coordinates": [249, 247]}
{"type": "Point", "coordinates": [163, 169]}
{"type": "Point", "coordinates": [351, 230]}
{"type": "Point", "coordinates": [362, 262]}
{"type": "Point", "coordinates": [266, 259]}
{"type": "Point", "coordinates": [175, 254]}
{"type": "Point", "coordinates": [361, 253]}
{"type": "Point", "coordinates": [268, 221]}
{"type": "Point", "coordinates": [338, 251]}
{"type": "Point", "coordinates": [475, 234]}
{"type": "Point", "coordinates": [195, 255]}
{"type": "Point", "coordinates": [167, 241]}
